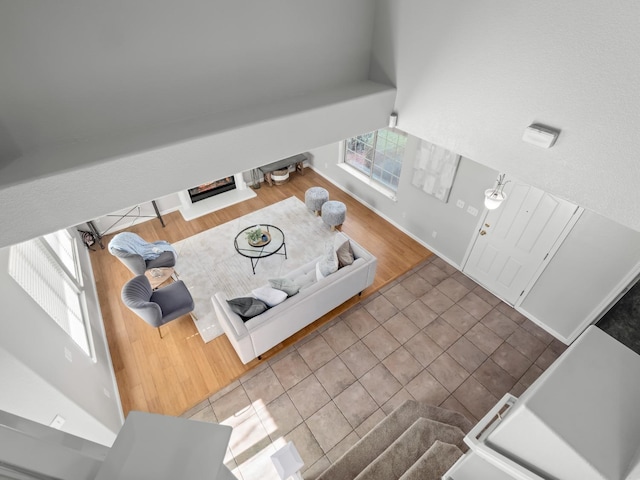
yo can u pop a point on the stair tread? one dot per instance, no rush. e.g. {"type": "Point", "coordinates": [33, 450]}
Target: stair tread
{"type": "Point", "coordinates": [434, 463]}
{"type": "Point", "coordinates": [365, 451]}
{"type": "Point", "coordinates": [408, 448]}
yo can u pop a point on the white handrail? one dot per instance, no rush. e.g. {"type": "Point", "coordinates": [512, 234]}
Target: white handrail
{"type": "Point", "coordinates": [478, 434]}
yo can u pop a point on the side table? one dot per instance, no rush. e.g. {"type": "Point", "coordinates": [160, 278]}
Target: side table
{"type": "Point", "coordinates": [157, 276]}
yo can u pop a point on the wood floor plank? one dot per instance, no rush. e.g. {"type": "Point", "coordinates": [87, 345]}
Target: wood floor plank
{"type": "Point", "coordinates": [172, 374]}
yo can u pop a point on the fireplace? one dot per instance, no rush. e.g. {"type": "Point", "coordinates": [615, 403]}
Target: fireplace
{"type": "Point", "coordinates": [210, 189]}
{"type": "Point", "coordinates": [212, 196]}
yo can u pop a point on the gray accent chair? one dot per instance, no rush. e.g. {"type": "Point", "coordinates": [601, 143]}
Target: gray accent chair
{"type": "Point", "coordinates": [157, 307]}
{"type": "Point", "coordinates": [139, 265]}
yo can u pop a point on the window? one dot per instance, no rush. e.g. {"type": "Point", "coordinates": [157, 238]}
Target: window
{"type": "Point", "coordinates": [378, 155]}
{"type": "Point", "coordinates": [48, 269]}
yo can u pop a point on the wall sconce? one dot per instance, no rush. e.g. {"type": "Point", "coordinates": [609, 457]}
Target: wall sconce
{"type": "Point", "coordinates": [540, 135]}
{"type": "Point", "coordinates": [494, 196]}
{"type": "Point", "coordinates": [393, 120]}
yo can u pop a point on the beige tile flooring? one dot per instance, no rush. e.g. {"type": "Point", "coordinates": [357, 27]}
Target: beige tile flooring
{"type": "Point", "coordinates": [433, 335]}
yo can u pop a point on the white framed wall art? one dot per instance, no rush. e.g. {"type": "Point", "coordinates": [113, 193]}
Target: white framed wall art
{"type": "Point", "coordinates": [434, 169]}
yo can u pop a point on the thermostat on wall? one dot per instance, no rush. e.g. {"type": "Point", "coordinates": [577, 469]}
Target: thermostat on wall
{"type": "Point", "coordinates": [540, 135]}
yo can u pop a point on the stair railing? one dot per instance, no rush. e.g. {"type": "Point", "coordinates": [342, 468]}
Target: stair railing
{"type": "Point", "coordinates": [477, 436]}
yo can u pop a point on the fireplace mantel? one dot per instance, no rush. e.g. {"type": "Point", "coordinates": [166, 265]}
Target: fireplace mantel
{"type": "Point", "coordinates": [190, 210]}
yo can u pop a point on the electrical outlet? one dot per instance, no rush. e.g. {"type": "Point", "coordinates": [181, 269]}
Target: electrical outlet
{"type": "Point", "coordinates": [434, 234]}
{"type": "Point", "coordinates": [106, 392]}
{"type": "Point", "coordinates": [460, 203]}
{"type": "Point", "coordinates": [471, 210]}
{"type": "Point", "coordinates": [326, 165]}
{"type": "Point", "coordinates": [67, 354]}
{"type": "Point", "coordinates": [404, 214]}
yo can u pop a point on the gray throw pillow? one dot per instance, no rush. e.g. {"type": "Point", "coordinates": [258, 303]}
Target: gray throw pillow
{"type": "Point", "coordinates": [287, 285]}
{"type": "Point", "coordinates": [247, 307]}
{"type": "Point", "coordinates": [306, 280]}
{"type": "Point", "coordinates": [345, 254]}
{"type": "Point", "coordinates": [328, 264]}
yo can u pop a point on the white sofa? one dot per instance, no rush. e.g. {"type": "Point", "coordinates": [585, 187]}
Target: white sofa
{"type": "Point", "coordinates": [257, 335]}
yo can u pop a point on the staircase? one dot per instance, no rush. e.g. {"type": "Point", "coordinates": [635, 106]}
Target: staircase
{"type": "Point", "coordinates": [416, 441]}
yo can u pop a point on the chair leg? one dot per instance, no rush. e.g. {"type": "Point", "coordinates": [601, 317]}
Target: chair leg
{"type": "Point", "coordinates": [160, 332]}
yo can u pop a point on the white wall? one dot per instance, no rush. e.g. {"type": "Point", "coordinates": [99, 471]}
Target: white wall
{"type": "Point", "coordinates": [580, 415]}
{"type": "Point", "coordinates": [74, 183]}
{"type": "Point", "coordinates": [594, 263]}
{"type": "Point", "coordinates": [26, 394]}
{"type": "Point", "coordinates": [77, 70]}
{"type": "Point", "coordinates": [414, 211]}
{"type": "Point", "coordinates": [85, 392]}
{"type": "Point", "coordinates": [48, 453]}
{"type": "Point", "coordinates": [472, 75]}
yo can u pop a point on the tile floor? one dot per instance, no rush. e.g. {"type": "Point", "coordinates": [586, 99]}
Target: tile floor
{"type": "Point", "coordinates": [433, 335]}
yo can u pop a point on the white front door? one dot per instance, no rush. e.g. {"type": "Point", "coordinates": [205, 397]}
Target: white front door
{"type": "Point", "coordinates": [516, 238]}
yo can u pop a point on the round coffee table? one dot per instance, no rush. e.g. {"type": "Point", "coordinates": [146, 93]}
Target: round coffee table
{"type": "Point", "coordinates": [270, 244]}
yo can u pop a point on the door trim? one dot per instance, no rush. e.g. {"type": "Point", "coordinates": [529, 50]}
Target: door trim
{"type": "Point", "coordinates": [577, 213]}
{"type": "Point", "coordinates": [472, 240]}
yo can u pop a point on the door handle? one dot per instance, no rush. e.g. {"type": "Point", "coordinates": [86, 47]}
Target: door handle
{"type": "Point", "coordinates": [483, 232]}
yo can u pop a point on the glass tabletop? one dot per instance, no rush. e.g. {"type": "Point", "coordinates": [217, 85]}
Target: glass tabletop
{"type": "Point", "coordinates": [265, 246]}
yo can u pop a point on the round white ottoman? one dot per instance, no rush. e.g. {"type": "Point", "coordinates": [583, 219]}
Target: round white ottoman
{"type": "Point", "coordinates": [315, 197]}
{"type": "Point", "coordinates": [334, 213]}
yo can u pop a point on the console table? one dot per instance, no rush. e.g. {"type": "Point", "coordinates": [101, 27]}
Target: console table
{"type": "Point", "coordinates": [296, 160]}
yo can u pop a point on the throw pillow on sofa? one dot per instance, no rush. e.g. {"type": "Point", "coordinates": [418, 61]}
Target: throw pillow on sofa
{"type": "Point", "coordinates": [345, 254]}
{"type": "Point", "coordinates": [269, 295]}
{"type": "Point", "coordinates": [287, 285]}
{"type": "Point", "coordinates": [306, 280]}
{"type": "Point", "coordinates": [247, 307]}
{"type": "Point", "coordinates": [328, 264]}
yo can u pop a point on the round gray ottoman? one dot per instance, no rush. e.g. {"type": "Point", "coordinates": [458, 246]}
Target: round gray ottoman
{"type": "Point", "coordinates": [334, 213]}
{"type": "Point", "coordinates": [315, 197]}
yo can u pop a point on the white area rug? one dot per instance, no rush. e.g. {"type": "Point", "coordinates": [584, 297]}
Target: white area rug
{"type": "Point", "coordinates": [208, 262]}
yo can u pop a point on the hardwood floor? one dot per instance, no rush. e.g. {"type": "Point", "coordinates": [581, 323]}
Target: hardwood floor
{"type": "Point", "coordinates": [172, 374]}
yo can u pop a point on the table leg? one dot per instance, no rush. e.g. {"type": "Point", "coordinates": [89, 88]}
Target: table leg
{"type": "Point", "coordinates": [155, 207]}
{"type": "Point", "coordinates": [96, 234]}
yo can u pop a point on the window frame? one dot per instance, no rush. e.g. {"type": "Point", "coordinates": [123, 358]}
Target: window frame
{"type": "Point", "coordinates": [369, 177]}
{"type": "Point", "coordinates": [19, 264]}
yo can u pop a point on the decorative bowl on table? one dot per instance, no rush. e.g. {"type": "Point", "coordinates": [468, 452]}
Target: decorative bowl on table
{"type": "Point", "coordinates": [258, 238]}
